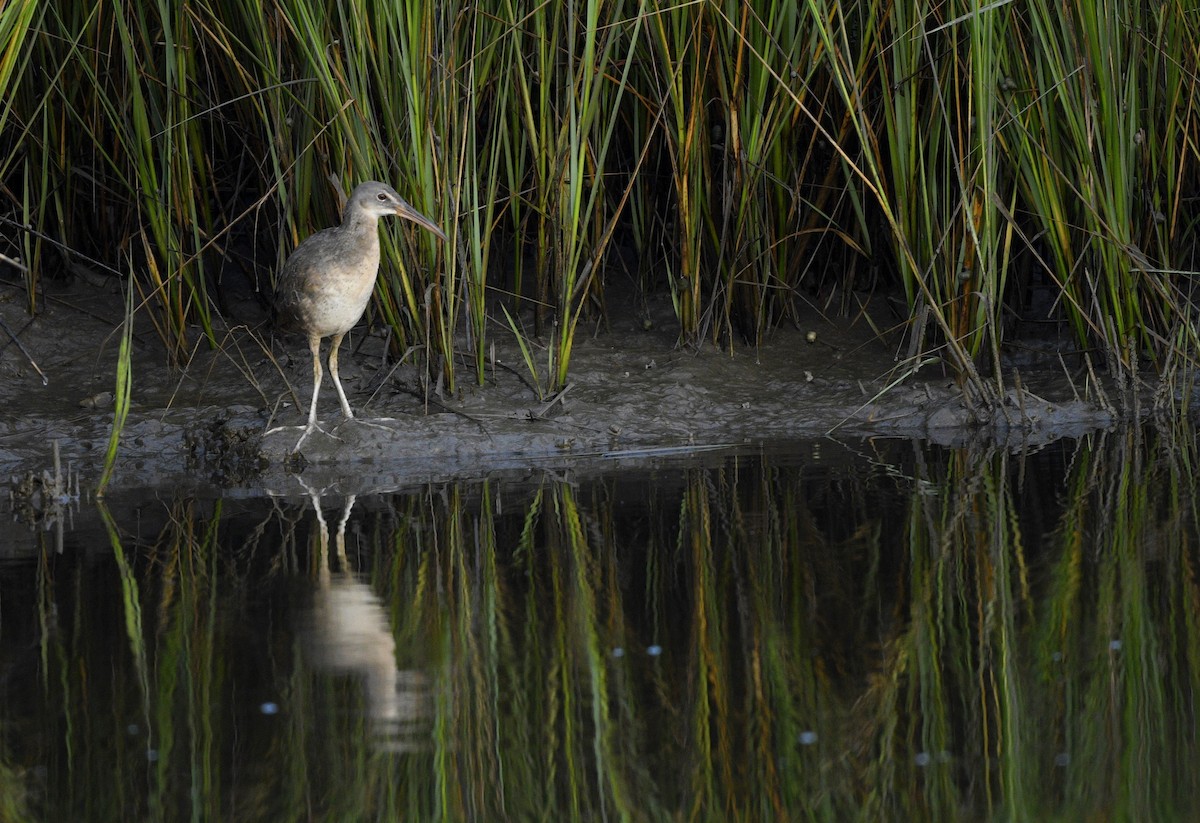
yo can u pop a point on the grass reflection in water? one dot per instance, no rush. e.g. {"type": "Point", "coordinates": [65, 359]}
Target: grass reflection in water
{"type": "Point", "coordinates": [895, 632]}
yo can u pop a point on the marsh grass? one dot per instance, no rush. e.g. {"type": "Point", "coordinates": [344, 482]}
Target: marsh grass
{"type": "Point", "coordinates": [760, 160]}
{"type": "Point", "coordinates": [122, 395]}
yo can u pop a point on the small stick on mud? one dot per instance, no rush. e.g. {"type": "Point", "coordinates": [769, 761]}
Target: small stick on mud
{"type": "Point", "coordinates": [1070, 379]}
{"type": "Point", "coordinates": [1131, 354]}
{"type": "Point", "coordinates": [24, 351]}
{"type": "Point", "coordinates": [1021, 399]}
{"type": "Point", "coordinates": [549, 404]}
{"type": "Point", "coordinates": [1104, 402]}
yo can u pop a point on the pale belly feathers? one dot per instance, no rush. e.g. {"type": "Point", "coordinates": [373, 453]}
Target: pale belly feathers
{"type": "Point", "coordinates": [334, 303]}
{"type": "Point", "coordinates": [329, 294]}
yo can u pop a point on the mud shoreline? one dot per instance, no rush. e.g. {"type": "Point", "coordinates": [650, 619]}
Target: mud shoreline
{"type": "Point", "coordinates": [633, 396]}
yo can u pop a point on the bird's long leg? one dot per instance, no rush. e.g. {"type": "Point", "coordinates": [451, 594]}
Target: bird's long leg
{"type": "Point", "coordinates": [333, 369]}
{"type": "Point", "coordinates": [314, 345]}
{"type": "Point", "coordinates": [337, 381]}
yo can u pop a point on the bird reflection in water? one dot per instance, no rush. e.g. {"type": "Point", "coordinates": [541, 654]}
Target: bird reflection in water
{"type": "Point", "coordinates": [348, 633]}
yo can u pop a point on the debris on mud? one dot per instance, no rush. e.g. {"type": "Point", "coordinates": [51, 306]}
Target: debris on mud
{"type": "Point", "coordinates": [41, 500]}
{"type": "Point", "coordinates": [232, 455]}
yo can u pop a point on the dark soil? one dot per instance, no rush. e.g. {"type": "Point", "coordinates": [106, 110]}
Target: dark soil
{"type": "Point", "coordinates": [633, 393]}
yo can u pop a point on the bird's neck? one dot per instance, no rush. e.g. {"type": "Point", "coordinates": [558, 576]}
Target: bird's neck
{"type": "Point", "coordinates": [359, 222]}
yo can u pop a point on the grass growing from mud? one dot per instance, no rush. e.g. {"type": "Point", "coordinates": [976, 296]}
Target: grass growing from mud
{"type": "Point", "coordinates": [758, 161]}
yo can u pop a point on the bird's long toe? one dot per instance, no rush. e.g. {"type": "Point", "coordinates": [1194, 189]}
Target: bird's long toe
{"type": "Point", "coordinates": [309, 429]}
{"type": "Point", "coordinates": [374, 425]}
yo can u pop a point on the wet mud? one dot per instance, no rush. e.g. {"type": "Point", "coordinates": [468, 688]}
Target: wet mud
{"type": "Point", "coordinates": [633, 394]}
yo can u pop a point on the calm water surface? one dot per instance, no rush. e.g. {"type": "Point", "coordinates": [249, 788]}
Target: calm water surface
{"type": "Point", "coordinates": [839, 630]}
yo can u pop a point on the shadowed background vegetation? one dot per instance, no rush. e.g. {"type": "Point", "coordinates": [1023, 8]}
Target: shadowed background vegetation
{"type": "Point", "coordinates": [870, 631]}
{"type": "Point", "coordinates": [761, 163]}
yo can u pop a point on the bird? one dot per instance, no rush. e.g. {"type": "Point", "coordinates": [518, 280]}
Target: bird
{"type": "Point", "coordinates": [325, 284]}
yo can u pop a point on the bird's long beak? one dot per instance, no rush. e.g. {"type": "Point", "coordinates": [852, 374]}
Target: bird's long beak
{"type": "Point", "coordinates": [409, 213]}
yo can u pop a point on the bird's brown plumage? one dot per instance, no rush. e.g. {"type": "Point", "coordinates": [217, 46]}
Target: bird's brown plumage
{"type": "Point", "coordinates": [327, 281]}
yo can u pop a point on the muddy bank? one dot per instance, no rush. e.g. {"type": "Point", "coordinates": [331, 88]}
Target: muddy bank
{"type": "Point", "coordinates": [633, 395]}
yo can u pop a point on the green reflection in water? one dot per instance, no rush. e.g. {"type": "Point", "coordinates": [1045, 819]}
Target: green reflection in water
{"type": "Point", "coordinates": [900, 632]}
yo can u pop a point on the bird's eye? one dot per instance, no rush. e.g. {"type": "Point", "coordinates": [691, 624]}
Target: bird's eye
{"type": "Point", "coordinates": [381, 197]}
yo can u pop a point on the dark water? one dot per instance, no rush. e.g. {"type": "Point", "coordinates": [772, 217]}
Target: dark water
{"type": "Point", "coordinates": [840, 631]}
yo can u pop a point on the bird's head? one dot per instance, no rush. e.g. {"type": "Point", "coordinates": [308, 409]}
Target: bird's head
{"type": "Point", "coordinates": [381, 200]}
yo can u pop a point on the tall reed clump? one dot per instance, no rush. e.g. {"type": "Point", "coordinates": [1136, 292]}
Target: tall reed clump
{"type": "Point", "coordinates": [764, 165]}
{"type": "Point", "coordinates": [1100, 132]}
{"type": "Point", "coordinates": [908, 129]}
{"type": "Point", "coordinates": [17, 22]}
{"type": "Point", "coordinates": [572, 71]}
{"type": "Point", "coordinates": [121, 160]}
{"type": "Point", "coordinates": [757, 157]}
{"type": "Point", "coordinates": [730, 84]}
{"type": "Point", "coordinates": [938, 127]}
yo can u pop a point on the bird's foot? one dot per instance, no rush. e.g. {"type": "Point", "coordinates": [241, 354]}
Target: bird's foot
{"type": "Point", "coordinates": [309, 429]}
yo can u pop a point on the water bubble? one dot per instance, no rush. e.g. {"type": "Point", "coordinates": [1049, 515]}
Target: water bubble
{"type": "Point", "coordinates": [152, 755]}
{"type": "Point", "coordinates": [1114, 645]}
{"type": "Point", "coordinates": [1062, 759]}
{"type": "Point", "coordinates": [808, 738]}
{"type": "Point", "coordinates": [132, 729]}
{"type": "Point", "coordinates": [269, 708]}
{"type": "Point", "coordinates": [922, 759]}
{"type": "Point", "coordinates": [654, 651]}
{"type": "Point", "coordinates": [618, 652]}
